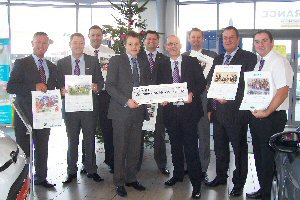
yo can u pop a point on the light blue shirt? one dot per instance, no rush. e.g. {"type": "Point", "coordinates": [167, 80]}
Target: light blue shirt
{"type": "Point", "coordinates": [81, 65]}
{"type": "Point", "coordinates": [37, 62]}
{"type": "Point", "coordinates": [232, 54]}
{"type": "Point", "coordinates": [153, 55]}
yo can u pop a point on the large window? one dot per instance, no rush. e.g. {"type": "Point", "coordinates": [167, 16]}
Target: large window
{"type": "Point", "coordinates": [4, 30]}
{"type": "Point", "coordinates": [240, 15]}
{"type": "Point", "coordinates": [203, 16]}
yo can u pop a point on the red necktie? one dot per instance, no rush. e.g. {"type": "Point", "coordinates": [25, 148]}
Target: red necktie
{"type": "Point", "coordinates": [42, 71]}
{"type": "Point", "coordinates": [77, 68]}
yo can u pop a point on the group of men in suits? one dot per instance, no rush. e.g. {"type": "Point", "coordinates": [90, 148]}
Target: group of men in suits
{"type": "Point", "coordinates": [181, 120]}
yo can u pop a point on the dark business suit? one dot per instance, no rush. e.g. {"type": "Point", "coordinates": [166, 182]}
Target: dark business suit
{"type": "Point", "coordinates": [160, 156]}
{"type": "Point", "coordinates": [181, 121]}
{"type": "Point", "coordinates": [231, 124]}
{"type": "Point", "coordinates": [203, 126]}
{"type": "Point", "coordinates": [23, 80]}
{"type": "Point", "coordinates": [85, 120]}
{"type": "Point", "coordinates": [127, 122]}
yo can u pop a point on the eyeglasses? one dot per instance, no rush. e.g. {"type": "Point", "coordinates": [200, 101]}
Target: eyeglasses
{"type": "Point", "coordinates": [172, 44]}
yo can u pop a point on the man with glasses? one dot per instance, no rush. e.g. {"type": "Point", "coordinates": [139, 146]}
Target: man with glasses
{"type": "Point", "coordinates": [181, 118]}
{"type": "Point", "coordinates": [265, 123]}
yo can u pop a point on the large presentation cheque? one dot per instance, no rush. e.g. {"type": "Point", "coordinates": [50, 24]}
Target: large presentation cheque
{"type": "Point", "coordinates": [176, 92]}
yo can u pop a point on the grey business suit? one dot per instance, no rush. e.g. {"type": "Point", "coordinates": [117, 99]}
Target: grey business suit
{"type": "Point", "coordinates": [23, 80]}
{"type": "Point", "coordinates": [203, 126]}
{"type": "Point", "coordinates": [127, 122]}
{"type": "Point", "coordinates": [160, 155]}
{"type": "Point", "coordinates": [81, 120]}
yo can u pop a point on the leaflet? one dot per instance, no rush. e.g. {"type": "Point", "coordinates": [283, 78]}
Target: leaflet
{"type": "Point", "coordinates": [206, 62]}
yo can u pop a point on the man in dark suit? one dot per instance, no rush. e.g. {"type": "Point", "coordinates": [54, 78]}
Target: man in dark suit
{"type": "Point", "coordinates": [33, 73]}
{"type": "Point", "coordinates": [80, 64]}
{"type": "Point", "coordinates": [126, 71]}
{"type": "Point", "coordinates": [154, 58]}
{"type": "Point", "coordinates": [231, 124]}
{"type": "Point", "coordinates": [196, 41]}
{"type": "Point", "coordinates": [181, 118]}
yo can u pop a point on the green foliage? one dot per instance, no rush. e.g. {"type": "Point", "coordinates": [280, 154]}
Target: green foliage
{"type": "Point", "coordinates": [130, 20]}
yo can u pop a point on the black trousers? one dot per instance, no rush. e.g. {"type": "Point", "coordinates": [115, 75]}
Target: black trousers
{"type": "Point", "coordinates": [236, 134]}
{"type": "Point", "coordinates": [261, 131]}
{"type": "Point", "coordinates": [184, 144]}
{"type": "Point", "coordinates": [106, 128]}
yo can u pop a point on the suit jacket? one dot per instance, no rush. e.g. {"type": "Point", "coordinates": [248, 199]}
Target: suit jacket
{"type": "Point", "coordinates": [191, 73]}
{"type": "Point", "coordinates": [158, 59]}
{"type": "Point", "coordinates": [119, 85]}
{"type": "Point", "coordinates": [23, 79]}
{"type": "Point", "coordinates": [92, 67]}
{"type": "Point", "coordinates": [229, 112]}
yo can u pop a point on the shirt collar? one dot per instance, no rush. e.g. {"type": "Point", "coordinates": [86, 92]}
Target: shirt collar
{"type": "Point", "coordinates": [232, 53]}
{"type": "Point", "coordinates": [73, 59]}
{"type": "Point", "coordinates": [179, 59]}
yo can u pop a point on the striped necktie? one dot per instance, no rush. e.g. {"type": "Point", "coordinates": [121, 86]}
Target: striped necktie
{"type": "Point", "coordinates": [261, 64]}
{"type": "Point", "coordinates": [151, 62]}
{"type": "Point", "coordinates": [135, 72]}
{"type": "Point", "coordinates": [227, 59]}
{"type": "Point", "coordinates": [176, 76]}
{"type": "Point", "coordinates": [42, 71]}
{"type": "Point", "coordinates": [77, 68]}
{"type": "Point", "coordinates": [96, 52]}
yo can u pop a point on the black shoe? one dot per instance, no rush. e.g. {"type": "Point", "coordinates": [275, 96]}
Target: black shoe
{"type": "Point", "coordinates": [204, 177]}
{"type": "Point", "coordinates": [121, 191]}
{"type": "Point", "coordinates": [164, 171]}
{"type": "Point", "coordinates": [236, 192]}
{"type": "Point", "coordinates": [216, 182]}
{"type": "Point", "coordinates": [136, 185]}
{"type": "Point", "coordinates": [45, 184]}
{"type": "Point", "coordinates": [254, 195]}
{"type": "Point", "coordinates": [196, 194]}
{"type": "Point", "coordinates": [173, 181]}
{"type": "Point", "coordinates": [83, 171]}
{"type": "Point", "coordinates": [95, 177]}
{"type": "Point", "coordinates": [70, 178]}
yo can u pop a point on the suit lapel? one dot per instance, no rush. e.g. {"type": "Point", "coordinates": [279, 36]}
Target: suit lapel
{"type": "Point", "coordinates": [35, 70]}
{"type": "Point", "coordinates": [183, 68]}
{"type": "Point", "coordinates": [88, 70]}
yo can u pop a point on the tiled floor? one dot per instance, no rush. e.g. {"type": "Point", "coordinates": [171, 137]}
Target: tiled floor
{"type": "Point", "coordinates": [149, 176]}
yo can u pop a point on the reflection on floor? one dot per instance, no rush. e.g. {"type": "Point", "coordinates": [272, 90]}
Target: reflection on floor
{"type": "Point", "coordinates": [149, 176]}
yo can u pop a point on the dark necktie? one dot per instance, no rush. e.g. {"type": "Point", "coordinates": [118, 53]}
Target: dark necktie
{"type": "Point", "coordinates": [96, 52]}
{"type": "Point", "coordinates": [135, 73]}
{"type": "Point", "coordinates": [227, 59]}
{"type": "Point", "coordinates": [176, 76]}
{"type": "Point", "coordinates": [261, 64]}
{"type": "Point", "coordinates": [77, 68]}
{"type": "Point", "coordinates": [151, 61]}
{"type": "Point", "coordinates": [42, 71]}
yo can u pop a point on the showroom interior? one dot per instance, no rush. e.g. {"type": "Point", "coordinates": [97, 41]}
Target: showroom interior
{"type": "Point", "coordinates": [19, 20]}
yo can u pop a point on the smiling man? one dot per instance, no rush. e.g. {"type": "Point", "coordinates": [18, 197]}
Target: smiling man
{"type": "Point", "coordinates": [230, 124]}
{"type": "Point", "coordinates": [265, 123]}
{"type": "Point", "coordinates": [126, 71]}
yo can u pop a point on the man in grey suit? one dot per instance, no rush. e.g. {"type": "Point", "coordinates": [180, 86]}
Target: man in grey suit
{"type": "Point", "coordinates": [33, 73]}
{"type": "Point", "coordinates": [154, 58]}
{"type": "Point", "coordinates": [196, 41]}
{"type": "Point", "coordinates": [80, 64]}
{"type": "Point", "coordinates": [126, 71]}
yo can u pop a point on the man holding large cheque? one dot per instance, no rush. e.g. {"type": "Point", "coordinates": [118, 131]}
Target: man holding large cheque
{"type": "Point", "coordinates": [181, 118]}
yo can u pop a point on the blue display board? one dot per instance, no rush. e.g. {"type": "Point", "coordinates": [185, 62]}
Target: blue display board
{"type": "Point", "coordinates": [6, 115]}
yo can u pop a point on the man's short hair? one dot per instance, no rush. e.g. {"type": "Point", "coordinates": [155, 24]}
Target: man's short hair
{"type": "Point", "coordinates": [95, 27]}
{"type": "Point", "coordinates": [132, 34]}
{"type": "Point", "coordinates": [228, 28]}
{"type": "Point", "coordinates": [152, 32]}
{"type": "Point", "coordinates": [196, 30]}
{"type": "Point", "coordinates": [266, 32]}
{"type": "Point", "coordinates": [39, 34]}
{"type": "Point", "coordinates": [77, 35]}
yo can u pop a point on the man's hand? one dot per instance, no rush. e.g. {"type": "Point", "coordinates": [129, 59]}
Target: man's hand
{"type": "Point", "coordinates": [95, 88]}
{"type": "Point", "coordinates": [190, 98]}
{"type": "Point", "coordinates": [221, 101]}
{"type": "Point", "coordinates": [132, 103]}
{"type": "Point", "coordinates": [164, 103]}
{"type": "Point", "coordinates": [63, 91]}
{"type": "Point", "coordinates": [41, 87]}
{"type": "Point", "coordinates": [261, 113]}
